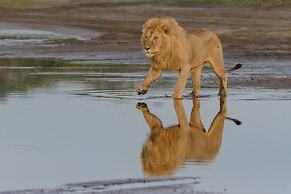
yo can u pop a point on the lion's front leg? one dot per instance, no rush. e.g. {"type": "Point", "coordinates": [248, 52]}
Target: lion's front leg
{"type": "Point", "coordinates": [153, 121]}
{"type": "Point", "coordinates": [195, 118]}
{"type": "Point", "coordinates": [181, 83]}
{"type": "Point", "coordinates": [181, 114]}
{"type": "Point", "coordinates": [196, 77]}
{"type": "Point", "coordinates": [152, 75]}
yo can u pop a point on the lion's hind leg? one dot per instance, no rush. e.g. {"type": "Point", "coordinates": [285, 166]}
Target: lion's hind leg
{"type": "Point", "coordinates": [217, 63]}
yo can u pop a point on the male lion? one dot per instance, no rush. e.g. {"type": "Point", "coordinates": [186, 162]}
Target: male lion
{"type": "Point", "coordinates": [169, 46]}
{"type": "Point", "coordinates": [167, 148]}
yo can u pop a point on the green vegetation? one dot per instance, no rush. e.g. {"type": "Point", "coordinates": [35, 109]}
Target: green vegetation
{"type": "Point", "coordinates": [16, 3]}
{"type": "Point", "coordinates": [248, 2]}
{"type": "Point", "coordinates": [26, 4]}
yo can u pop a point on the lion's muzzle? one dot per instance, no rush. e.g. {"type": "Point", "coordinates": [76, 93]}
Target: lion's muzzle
{"type": "Point", "coordinates": [149, 54]}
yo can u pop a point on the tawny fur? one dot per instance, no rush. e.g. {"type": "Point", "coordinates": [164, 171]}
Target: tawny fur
{"type": "Point", "coordinates": [169, 47]}
{"type": "Point", "coordinates": [167, 148]}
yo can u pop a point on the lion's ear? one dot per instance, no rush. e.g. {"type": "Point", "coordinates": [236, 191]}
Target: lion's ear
{"type": "Point", "coordinates": [165, 29]}
{"type": "Point", "coordinates": [144, 26]}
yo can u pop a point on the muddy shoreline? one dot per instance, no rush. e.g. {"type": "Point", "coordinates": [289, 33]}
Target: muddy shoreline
{"type": "Point", "coordinates": [145, 185]}
{"type": "Point", "coordinates": [249, 35]}
{"type": "Point", "coordinates": [245, 31]}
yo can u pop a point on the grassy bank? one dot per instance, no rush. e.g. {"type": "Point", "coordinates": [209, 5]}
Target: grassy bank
{"type": "Point", "coordinates": [16, 3]}
{"type": "Point", "coordinates": [25, 4]}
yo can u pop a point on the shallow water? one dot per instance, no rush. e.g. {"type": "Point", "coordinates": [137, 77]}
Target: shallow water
{"type": "Point", "coordinates": [63, 123]}
{"type": "Point", "coordinates": [19, 35]}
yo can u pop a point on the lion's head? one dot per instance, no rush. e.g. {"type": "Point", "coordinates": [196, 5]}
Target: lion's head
{"type": "Point", "coordinates": [157, 34]}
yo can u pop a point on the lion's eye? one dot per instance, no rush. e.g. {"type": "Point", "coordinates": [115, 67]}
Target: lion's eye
{"type": "Point", "coordinates": [155, 38]}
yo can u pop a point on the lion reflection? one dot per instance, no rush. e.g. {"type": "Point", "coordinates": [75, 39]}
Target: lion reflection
{"type": "Point", "coordinates": [167, 148]}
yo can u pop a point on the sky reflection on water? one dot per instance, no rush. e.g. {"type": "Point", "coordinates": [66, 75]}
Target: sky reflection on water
{"type": "Point", "coordinates": [55, 130]}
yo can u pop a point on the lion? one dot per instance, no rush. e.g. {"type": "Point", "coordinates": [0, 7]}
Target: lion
{"type": "Point", "coordinates": [169, 47]}
{"type": "Point", "coordinates": [168, 148]}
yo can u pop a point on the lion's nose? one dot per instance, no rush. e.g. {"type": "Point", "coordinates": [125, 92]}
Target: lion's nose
{"type": "Point", "coordinates": [147, 48]}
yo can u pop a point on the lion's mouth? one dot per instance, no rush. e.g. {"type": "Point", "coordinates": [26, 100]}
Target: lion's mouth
{"type": "Point", "coordinates": [149, 54]}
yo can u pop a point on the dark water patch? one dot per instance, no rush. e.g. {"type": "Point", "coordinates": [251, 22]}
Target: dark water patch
{"type": "Point", "coordinates": [20, 75]}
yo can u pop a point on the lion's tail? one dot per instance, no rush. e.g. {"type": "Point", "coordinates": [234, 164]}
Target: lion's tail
{"type": "Point", "coordinates": [237, 66]}
{"type": "Point", "coordinates": [237, 122]}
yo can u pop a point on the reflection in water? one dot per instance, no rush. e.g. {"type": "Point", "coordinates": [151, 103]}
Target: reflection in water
{"type": "Point", "coordinates": [167, 148]}
{"type": "Point", "coordinates": [25, 74]}
{"type": "Point", "coordinates": [21, 75]}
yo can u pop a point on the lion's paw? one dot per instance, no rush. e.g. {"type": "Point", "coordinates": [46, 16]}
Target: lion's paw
{"type": "Point", "coordinates": [142, 90]}
{"type": "Point", "coordinates": [142, 106]}
{"type": "Point", "coordinates": [177, 95]}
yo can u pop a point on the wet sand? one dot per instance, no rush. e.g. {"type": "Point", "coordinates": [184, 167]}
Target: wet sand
{"type": "Point", "coordinates": [145, 185]}
{"type": "Point", "coordinates": [99, 42]}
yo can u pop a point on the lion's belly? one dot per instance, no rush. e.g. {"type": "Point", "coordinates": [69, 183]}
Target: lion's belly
{"type": "Point", "coordinates": [170, 64]}
{"type": "Point", "coordinates": [199, 59]}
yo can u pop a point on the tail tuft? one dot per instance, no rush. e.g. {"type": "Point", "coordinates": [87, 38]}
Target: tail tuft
{"type": "Point", "coordinates": [237, 66]}
{"type": "Point", "coordinates": [237, 122]}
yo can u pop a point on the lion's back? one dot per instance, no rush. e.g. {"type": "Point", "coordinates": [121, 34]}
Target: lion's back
{"type": "Point", "coordinates": [205, 35]}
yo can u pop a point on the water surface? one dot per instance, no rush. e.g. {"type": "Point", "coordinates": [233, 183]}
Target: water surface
{"type": "Point", "coordinates": [64, 123]}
